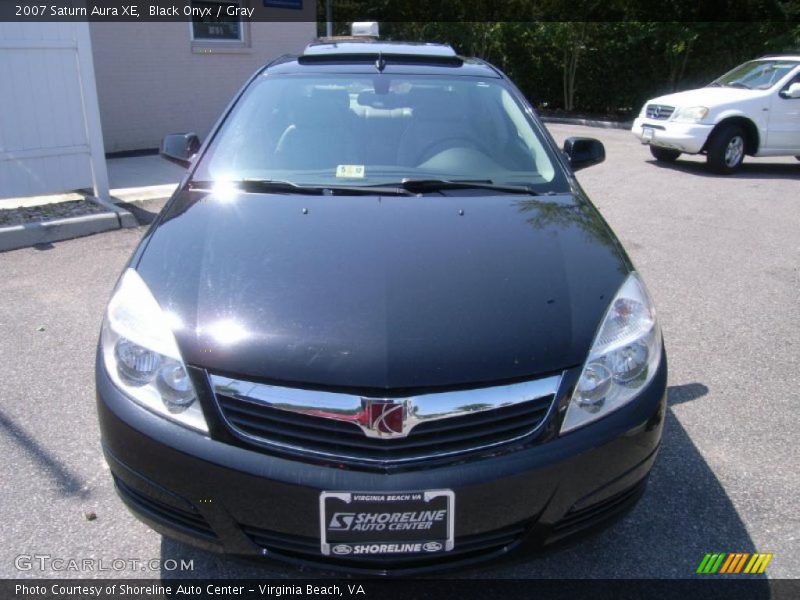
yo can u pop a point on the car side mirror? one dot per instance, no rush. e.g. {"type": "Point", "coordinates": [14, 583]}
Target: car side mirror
{"type": "Point", "coordinates": [584, 152]}
{"type": "Point", "coordinates": [793, 91]}
{"type": "Point", "coordinates": [180, 148]}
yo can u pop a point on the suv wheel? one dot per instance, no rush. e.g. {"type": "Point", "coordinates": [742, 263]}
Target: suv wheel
{"type": "Point", "coordinates": [726, 147]}
{"type": "Point", "coordinates": [664, 154]}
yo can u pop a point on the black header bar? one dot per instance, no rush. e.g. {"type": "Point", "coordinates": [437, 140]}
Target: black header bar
{"type": "Point", "coordinates": [399, 10]}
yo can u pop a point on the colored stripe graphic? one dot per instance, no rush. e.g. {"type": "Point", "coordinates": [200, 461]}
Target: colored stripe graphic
{"type": "Point", "coordinates": [740, 564]}
{"type": "Point", "coordinates": [703, 564]}
{"type": "Point", "coordinates": [716, 565]}
{"type": "Point", "coordinates": [759, 564]}
{"type": "Point", "coordinates": [711, 563]}
{"type": "Point", "coordinates": [726, 566]}
{"type": "Point", "coordinates": [733, 562]}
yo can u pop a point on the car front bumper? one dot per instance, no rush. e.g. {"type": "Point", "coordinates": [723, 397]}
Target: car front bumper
{"type": "Point", "coordinates": [686, 137]}
{"type": "Point", "coordinates": [243, 502]}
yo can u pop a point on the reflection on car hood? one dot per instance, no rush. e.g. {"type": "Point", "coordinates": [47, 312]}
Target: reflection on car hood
{"type": "Point", "coordinates": [375, 293]}
{"type": "Point", "coordinates": [709, 97]}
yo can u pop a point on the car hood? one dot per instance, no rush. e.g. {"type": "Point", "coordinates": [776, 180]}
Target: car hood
{"type": "Point", "coordinates": [709, 97]}
{"type": "Point", "coordinates": [383, 293]}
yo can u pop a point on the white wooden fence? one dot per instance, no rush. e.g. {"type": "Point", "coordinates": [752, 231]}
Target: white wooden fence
{"type": "Point", "coordinates": [50, 135]}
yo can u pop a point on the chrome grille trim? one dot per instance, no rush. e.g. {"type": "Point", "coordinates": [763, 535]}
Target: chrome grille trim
{"type": "Point", "coordinates": [661, 112]}
{"type": "Point", "coordinates": [349, 408]}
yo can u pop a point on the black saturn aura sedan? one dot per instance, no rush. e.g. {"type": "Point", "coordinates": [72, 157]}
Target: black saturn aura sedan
{"type": "Point", "coordinates": [379, 327]}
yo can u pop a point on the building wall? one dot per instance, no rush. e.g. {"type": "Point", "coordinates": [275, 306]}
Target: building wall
{"type": "Point", "coordinates": [49, 127]}
{"type": "Point", "coordinates": [153, 80]}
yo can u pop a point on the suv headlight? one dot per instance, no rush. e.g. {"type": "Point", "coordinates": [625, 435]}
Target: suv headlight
{"type": "Point", "coordinates": [692, 114]}
{"type": "Point", "coordinates": [624, 357]}
{"type": "Point", "coordinates": [141, 355]}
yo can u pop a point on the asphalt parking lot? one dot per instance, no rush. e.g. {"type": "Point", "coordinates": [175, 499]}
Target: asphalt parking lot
{"type": "Point", "coordinates": [721, 256]}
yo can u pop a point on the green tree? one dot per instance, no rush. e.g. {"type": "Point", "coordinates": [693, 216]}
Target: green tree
{"type": "Point", "coordinates": [589, 65]}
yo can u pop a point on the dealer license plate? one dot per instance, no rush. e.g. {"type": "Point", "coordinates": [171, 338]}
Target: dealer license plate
{"type": "Point", "coordinates": [647, 134]}
{"type": "Point", "coordinates": [380, 523]}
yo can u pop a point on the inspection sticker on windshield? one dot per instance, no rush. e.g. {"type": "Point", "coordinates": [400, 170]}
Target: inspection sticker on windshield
{"type": "Point", "coordinates": [367, 523]}
{"type": "Point", "coordinates": [350, 171]}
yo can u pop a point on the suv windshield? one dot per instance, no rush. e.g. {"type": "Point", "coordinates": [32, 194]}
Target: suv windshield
{"type": "Point", "coordinates": [757, 74]}
{"type": "Point", "coordinates": [379, 129]}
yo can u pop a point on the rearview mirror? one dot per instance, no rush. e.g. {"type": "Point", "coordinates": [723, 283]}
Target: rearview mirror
{"type": "Point", "coordinates": [180, 148]}
{"type": "Point", "coordinates": [793, 91]}
{"type": "Point", "coordinates": [584, 152]}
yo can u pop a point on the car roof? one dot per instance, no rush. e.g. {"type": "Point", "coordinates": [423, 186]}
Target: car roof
{"type": "Point", "coordinates": [344, 46]}
{"type": "Point", "coordinates": [780, 57]}
{"type": "Point", "coordinates": [361, 55]}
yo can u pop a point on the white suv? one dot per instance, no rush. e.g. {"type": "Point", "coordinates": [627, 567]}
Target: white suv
{"type": "Point", "coordinates": [753, 109]}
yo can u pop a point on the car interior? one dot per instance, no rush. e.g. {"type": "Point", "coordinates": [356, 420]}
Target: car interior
{"type": "Point", "coordinates": [432, 127]}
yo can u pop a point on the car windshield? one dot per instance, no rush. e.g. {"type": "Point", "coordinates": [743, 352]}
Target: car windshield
{"type": "Point", "coordinates": [380, 129]}
{"type": "Point", "coordinates": [757, 74]}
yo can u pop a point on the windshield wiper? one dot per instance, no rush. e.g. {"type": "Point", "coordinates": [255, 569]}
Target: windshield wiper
{"type": "Point", "coordinates": [421, 186]}
{"type": "Point", "coordinates": [257, 185]}
{"type": "Point", "coordinates": [288, 187]}
{"type": "Point", "coordinates": [406, 187]}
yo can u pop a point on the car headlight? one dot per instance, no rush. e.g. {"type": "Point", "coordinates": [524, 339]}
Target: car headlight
{"type": "Point", "coordinates": [692, 114]}
{"type": "Point", "coordinates": [623, 359]}
{"type": "Point", "coordinates": [141, 355]}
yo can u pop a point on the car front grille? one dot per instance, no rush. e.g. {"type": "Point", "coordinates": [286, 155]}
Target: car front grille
{"type": "Point", "coordinates": [431, 442]}
{"type": "Point", "coordinates": [308, 548]}
{"type": "Point", "coordinates": [661, 112]}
